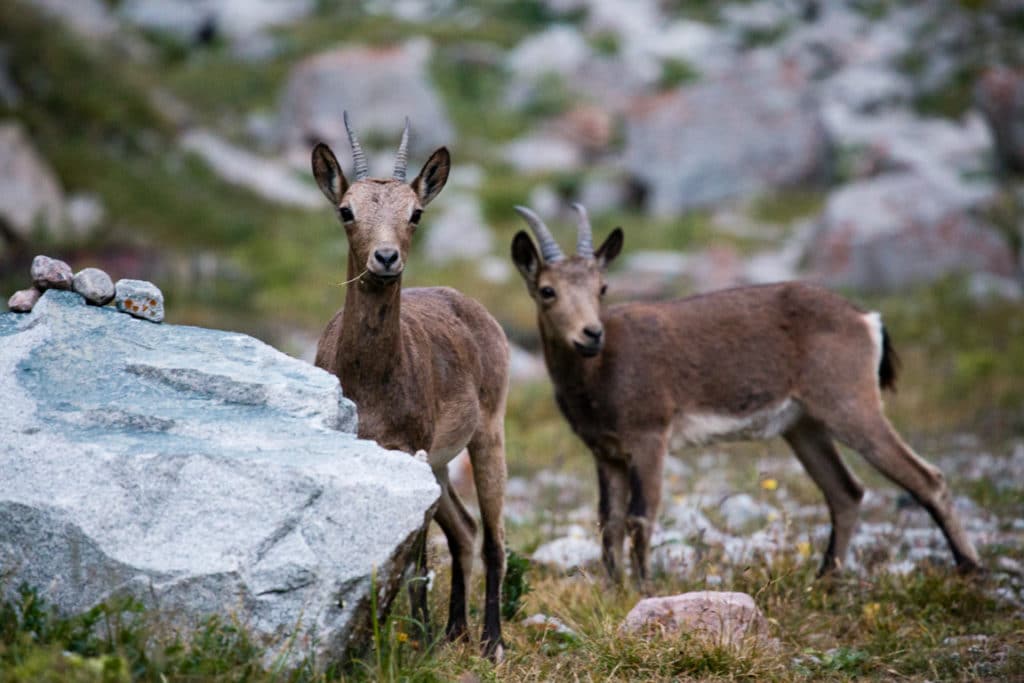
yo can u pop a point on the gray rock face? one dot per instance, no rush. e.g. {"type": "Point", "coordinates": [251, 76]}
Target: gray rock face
{"type": "Point", "coordinates": [139, 298]}
{"type": "Point", "coordinates": [901, 229]}
{"type": "Point", "coordinates": [30, 195]}
{"type": "Point", "coordinates": [88, 18]}
{"type": "Point", "coordinates": [202, 471]}
{"type": "Point", "coordinates": [268, 178]}
{"type": "Point", "coordinates": [1000, 95]}
{"type": "Point", "coordinates": [736, 135]}
{"type": "Point", "coordinates": [95, 285]}
{"type": "Point", "coordinates": [457, 230]}
{"type": "Point", "coordinates": [235, 20]}
{"type": "Point", "coordinates": [379, 86]}
{"type": "Point", "coordinates": [577, 550]}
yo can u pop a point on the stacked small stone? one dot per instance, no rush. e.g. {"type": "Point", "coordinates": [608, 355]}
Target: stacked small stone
{"type": "Point", "coordinates": [141, 299]}
{"type": "Point", "coordinates": [138, 298]}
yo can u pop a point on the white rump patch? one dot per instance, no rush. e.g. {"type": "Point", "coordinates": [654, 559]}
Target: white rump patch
{"type": "Point", "coordinates": [874, 322]}
{"type": "Point", "coordinates": [696, 429]}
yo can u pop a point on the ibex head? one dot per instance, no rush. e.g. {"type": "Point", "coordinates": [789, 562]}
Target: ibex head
{"type": "Point", "coordinates": [379, 215]}
{"type": "Point", "coordinates": [568, 291]}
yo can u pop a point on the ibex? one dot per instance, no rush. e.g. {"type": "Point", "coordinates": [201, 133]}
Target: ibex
{"type": "Point", "coordinates": [426, 367]}
{"type": "Point", "coordinates": [791, 359]}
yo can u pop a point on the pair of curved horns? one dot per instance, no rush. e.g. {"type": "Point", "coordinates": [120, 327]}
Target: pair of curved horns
{"type": "Point", "coordinates": [549, 248]}
{"type": "Point", "coordinates": [359, 157]}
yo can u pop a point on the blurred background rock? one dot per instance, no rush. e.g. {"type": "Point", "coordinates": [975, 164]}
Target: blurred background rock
{"type": "Point", "coordinates": [875, 146]}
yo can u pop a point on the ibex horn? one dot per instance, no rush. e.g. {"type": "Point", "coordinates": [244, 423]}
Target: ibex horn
{"type": "Point", "coordinates": [402, 160]}
{"type": "Point", "coordinates": [362, 170]}
{"type": "Point", "coordinates": [585, 239]}
{"type": "Point", "coordinates": [549, 248]}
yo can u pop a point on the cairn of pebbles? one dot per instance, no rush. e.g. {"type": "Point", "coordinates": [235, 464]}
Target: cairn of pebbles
{"type": "Point", "coordinates": [137, 298]}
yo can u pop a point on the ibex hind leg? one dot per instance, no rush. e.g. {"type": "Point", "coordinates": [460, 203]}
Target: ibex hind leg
{"type": "Point", "coordinates": [843, 492]}
{"type": "Point", "coordinates": [460, 530]}
{"type": "Point", "coordinates": [487, 454]}
{"type": "Point", "coordinates": [871, 435]}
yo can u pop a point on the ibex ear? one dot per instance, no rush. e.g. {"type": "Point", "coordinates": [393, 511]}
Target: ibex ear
{"type": "Point", "coordinates": [525, 256]}
{"type": "Point", "coordinates": [328, 174]}
{"type": "Point", "coordinates": [607, 252]}
{"type": "Point", "coordinates": [433, 176]}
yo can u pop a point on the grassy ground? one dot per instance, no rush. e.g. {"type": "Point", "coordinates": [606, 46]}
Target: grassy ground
{"type": "Point", "coordinates": [928, 625]}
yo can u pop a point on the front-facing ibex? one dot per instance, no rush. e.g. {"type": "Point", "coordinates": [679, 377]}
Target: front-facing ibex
{"type": "Point", "coordinates": [427, 368]}
{"type": "Point", "coordinates": [789, 359]}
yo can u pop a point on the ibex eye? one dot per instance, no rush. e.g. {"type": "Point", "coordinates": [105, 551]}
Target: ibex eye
{"type": "Point", "coordinates": [604, 288]}
{"type": "Point", "coordinates": [547, 293]}
{"type": "Point", "coordinates": [415, 218]}
{"type": "Point", "coordinates": [346, 214]}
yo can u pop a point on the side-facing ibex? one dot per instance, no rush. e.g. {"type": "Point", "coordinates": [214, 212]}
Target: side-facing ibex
{"type": "Point", "coordinates": [789, 359]}
{"type": "Point", "coordinates": [426, 367]}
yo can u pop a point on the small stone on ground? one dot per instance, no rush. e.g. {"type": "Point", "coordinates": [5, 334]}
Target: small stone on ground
{"type": "Point", "coordinates": [722, 617]}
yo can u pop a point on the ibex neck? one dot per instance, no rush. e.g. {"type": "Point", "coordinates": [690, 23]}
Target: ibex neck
{"type": "Point", "coordinates": [568, 369]}
{"type": "Point", "coordinates": [371, 334]}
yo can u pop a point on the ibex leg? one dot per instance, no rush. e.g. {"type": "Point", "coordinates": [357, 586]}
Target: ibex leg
{"type": "Point", "coordinates": [843, 491]}
{"type": "Point", "coordinates": [873, 437]}
{"type": "Point", "coordinates": [487, 453]}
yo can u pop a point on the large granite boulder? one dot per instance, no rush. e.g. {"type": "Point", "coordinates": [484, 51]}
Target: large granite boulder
{"type": "Point", "coordinates": [202, 471]}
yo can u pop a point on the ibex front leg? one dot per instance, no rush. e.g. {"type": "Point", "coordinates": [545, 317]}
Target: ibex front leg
{"type": "Point", "coordinates": [646, 463]}
{"type": "Point", "coordinates": [613, 492]}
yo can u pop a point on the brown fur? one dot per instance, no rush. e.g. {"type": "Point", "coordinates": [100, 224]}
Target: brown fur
{"type": "Point", "coordinates": [683, 368]}
{"type": "Point", "coordinates": [427, 369]}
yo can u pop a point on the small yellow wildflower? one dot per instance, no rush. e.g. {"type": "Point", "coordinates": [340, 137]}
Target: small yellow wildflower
{"type": "Point", "coordinates": [871, 611]}
{"type": "Point", "coordinates": [402, 636]}
{"type": "Point", "coordinates": [769, 484]}
{"type": "Point", "coordinates": [804, 548]}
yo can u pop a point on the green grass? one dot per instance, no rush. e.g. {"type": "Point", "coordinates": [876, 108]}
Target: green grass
{"type": "Point", "coordinates": [785, 206]}
{"type": "Point", "coordinates": [677, 72]}
{"type": "Point", "coordinates": [847, 629]}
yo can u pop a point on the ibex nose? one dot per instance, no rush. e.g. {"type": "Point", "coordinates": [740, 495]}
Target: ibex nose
{"type": "Point", "coordinates": [386, 256]}
{"type": "Point", "coordinates": [593, 333]}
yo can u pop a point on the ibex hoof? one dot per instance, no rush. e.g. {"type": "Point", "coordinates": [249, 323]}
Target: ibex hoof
{"type": "Point", "coordinates": [494, 651]}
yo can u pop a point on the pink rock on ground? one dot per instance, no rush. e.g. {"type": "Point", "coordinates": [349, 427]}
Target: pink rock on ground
{"type": "Point", "coordinates": [719, 617]}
